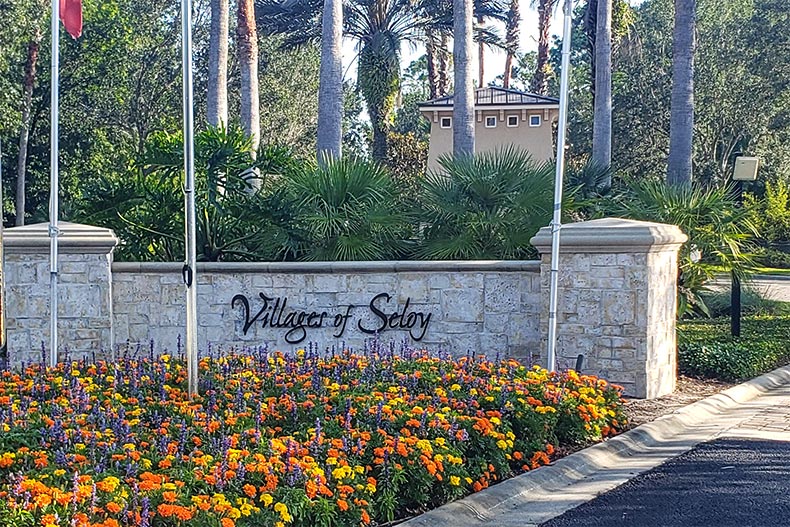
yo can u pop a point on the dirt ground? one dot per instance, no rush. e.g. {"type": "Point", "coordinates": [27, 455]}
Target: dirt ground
{"type": "Point", "coordinates": [640, 411]}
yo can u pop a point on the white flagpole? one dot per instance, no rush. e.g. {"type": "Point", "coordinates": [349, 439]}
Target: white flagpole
{"type": "Point", "coordinates": [556, 223]}
{"type": "Point", "coordinates": [53, 188]}
{"type": "Point", "coordinates": [190, 278]}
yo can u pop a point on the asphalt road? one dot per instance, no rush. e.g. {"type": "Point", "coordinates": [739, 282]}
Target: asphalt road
{"type": "Point", "coordinates": [723, 483]}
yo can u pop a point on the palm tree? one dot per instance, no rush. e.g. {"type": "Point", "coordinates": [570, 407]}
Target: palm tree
{"type": "Point", "coordinates": [486, 206]}
{"type": "Point", "coordinates": [330, 94]}
{"type": "Point", "coordinates": [217, 112]}
{"type": "Point", "coordinates": [540, 80]}
{"type": "Point", "coordinates": [602, 120]}
{"type": "Point", "coordinates": [247, 44]}
{"type": "Point", "coordinates": [511, 39]}
{"type": "Point", "coordinates": [464, 96]}
{"type": "Point", "coordinates": [681, 122]}
{"type": "Point", "coordinates": [380, 28]}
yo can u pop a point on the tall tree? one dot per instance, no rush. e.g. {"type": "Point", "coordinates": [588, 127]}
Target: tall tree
{"type": "Point", "coordinates": [247, 45]}
{"type": "Point", "coordinates": [602, 112]}
{"type": "Point", "coordinates": [481, 56]}
{"type": "Point", "coordinates": [217, 100]}
{"type": "Point", "coordinates": [330, 94]}
{"type": "Point", "coordinates": [464, 96]}
{"type": "Point", "coordinates": [380, 28]}
{"type": "Point", "coordinates": [31, 63]}
{"type": "Point", "coordinates": [539, 83]}
{"type": "Point", "coordinates": [511, 39]}
{"type": "Point", "coordinates": [681, 123]}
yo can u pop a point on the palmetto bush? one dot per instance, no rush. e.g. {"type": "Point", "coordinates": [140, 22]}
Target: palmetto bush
{"type": "Point", "coordinates": [485, 206]}
{"type": "Point", "coordinates": [720, 232]}
{"type": "Point", "coordinates": [349, 210]}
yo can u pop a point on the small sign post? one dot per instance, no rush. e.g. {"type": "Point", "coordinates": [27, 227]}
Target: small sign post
{"type": "Point", "coordinates": [745, 169]}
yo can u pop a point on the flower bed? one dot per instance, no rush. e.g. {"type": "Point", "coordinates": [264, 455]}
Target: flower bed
{"type": "Point", "coordinates": [306, 439]}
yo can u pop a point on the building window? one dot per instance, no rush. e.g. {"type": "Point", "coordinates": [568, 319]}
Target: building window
{"type": "Point", "coordinates": [490, 122]}
{"type": "Point", "coordinates": [512, 121]}
{"type": "Point", "coordinates": [447, 122]}
{"type": "Point", "coordinates": [534, 120]}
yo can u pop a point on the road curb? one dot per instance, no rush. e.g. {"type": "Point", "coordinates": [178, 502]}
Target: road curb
{"type": "Point", "coordinates": [483, 508]}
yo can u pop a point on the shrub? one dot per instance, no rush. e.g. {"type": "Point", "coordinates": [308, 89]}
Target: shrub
{"type": "Point", "coordinates": [706, 349]}
{"type": "Point", "coordinates": [304, 439]}
{"type": "Point", "coordinates": [234, 221]}
{"type": "Point", "coordinates": [716, 227]}
{"type": "Point", "coordinates": [752, 303]}
{"type": "Point", "coordinates": [348, 210]}
{"type": "Point", "coordinates": [486, 206]}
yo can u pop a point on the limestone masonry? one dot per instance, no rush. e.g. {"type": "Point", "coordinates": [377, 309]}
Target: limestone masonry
{"type": "Point", "coordinates": [617, 301]}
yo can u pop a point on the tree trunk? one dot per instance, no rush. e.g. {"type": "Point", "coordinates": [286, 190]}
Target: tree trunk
{"type": "Point", "coordinates": [464, 97]}
{"type": "Point", "coordinates": [443, 66]}
{"type": "Point", "coordinates": [681, 122]}
{"type": "Point", "coordinates": [432, 56]}
{"type": "Point", "coordinates": [217, 98]}
{"type": "Point", "coordinates": [24, 129]}
{"type": "Point", "coordinates": [330, 92]}
{"type": "Point", "coordinates": [511, 39]}
{"type": "Point", "coordinates": [481, 58]}
{"type": "Point", "coordinates": [590, 28]}
{"type": "Point", "coordinates": [602, 120]}
{"type": "Point", "coordinates": [378, 77]}
{"type": "Point", "coordinates": [539, 83]}
{"type": "Point", "coordinates": [247, 44]}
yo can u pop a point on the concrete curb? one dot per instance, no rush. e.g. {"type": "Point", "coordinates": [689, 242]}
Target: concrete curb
{"type": "Point", "coordinates": [484, 508]}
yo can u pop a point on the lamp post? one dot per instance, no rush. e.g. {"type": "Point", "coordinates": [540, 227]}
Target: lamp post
{"type": "Point", "coordinates": [744, 169]}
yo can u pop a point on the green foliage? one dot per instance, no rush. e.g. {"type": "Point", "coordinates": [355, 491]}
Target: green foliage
{"type": "Point", "coordinates": [407, 161]}
{"type": "Point", "coordinates": [771, 214]}
{"type": "Point", "coordinates": [706, 349]}
{"type": "Point", "coordinates": [289, 95]}
{"type": "Point", "coordinates": [752, 303]}
{"type": "Point", "coordinates": [486, 206]}
{"type": "Point", "coordinates": [233, 220]}
{"type": "Point", "coordinates": [348, 210]}
{"type": "Point", "coordinates": [773, 258]}
{"type": "Point", "coordinates": [717, 228]}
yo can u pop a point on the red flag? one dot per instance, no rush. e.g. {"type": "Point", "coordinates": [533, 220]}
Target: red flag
{"type": "Point", "coordinates": [71, 16]}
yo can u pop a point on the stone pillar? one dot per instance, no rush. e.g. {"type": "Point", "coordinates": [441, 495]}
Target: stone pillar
{"type": "Point", "coordinates": [84, 291]}
{"type": "Point", "coordinates": [617, 301]}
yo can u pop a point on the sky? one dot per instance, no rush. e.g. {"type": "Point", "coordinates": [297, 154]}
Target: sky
{"type": "Point", "coordinates": [494, 58]}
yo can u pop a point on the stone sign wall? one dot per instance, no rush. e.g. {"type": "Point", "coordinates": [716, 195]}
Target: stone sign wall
{"type": "Point", "coordinates": [617, 301]}
{"type": "Point", "coordinates": [456, 305]}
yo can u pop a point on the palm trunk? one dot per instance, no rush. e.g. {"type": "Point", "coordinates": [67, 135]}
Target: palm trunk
{"type": "Point", "coordinates": [330, 94]}
{"type": "Point", "coordinates": [602, 120]}
{"type": "Point", "coordinates": [378, 77]}
{"type": "Point", "coordinates": [508, 70]}
{"type": "Point", "coordinates": [464, 97]}
{"type": "Point", "coordinates": [481, 58]}
{"type": "Point", "coordinates": [539, 83]}
{"type": "Point", "coordinates": [511, 39]}
{"type": "Point", "coordinates": [24, 129]}
{"type": "Point", "coordinates": [247, 44]}
{"type": "Point", "coordinates": [432, 56]}
{"type": "Point", "coordinates": [217, 98]}
{"type": "Point", "coordinates": [681, 122]}
{"type": "Point", "coordinates": [444, 67]}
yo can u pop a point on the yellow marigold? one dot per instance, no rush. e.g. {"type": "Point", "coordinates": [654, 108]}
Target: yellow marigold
{"type": "Point", "coordinates": [282, 509]}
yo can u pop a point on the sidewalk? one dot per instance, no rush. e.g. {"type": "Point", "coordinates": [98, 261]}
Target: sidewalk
{"type": "Point", "coordinates": [758, 409]}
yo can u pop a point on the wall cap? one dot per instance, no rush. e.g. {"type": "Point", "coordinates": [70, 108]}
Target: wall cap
{"type": "Point", "coordinates": [612, 235]}
{"type": "Point", "coordinates": [74, 238]}
{"type": "Point", "coordinates": [405, 266]}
